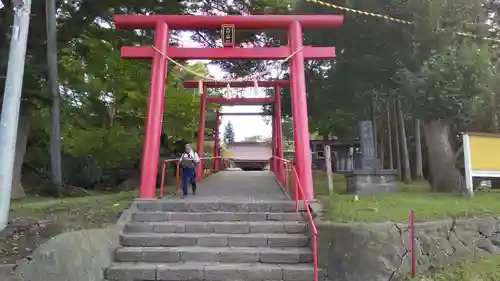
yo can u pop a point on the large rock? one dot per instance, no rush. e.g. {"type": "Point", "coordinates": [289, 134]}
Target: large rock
{"type": "Point", "coordinates": [381, 251]}
{"type": "Point", "coordinates": [75, 256]}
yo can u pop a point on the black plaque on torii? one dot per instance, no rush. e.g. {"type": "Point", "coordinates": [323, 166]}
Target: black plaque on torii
{"type": "Point", "coordinates": [228, 36]}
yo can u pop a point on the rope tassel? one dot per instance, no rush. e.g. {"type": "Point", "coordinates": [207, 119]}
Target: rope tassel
{"type": "Point", "coordinates": [200, 87]}
{"type": "Point", "coordinates": [255, 87]}
{"type": "Point", "coordinates": [228, 91]}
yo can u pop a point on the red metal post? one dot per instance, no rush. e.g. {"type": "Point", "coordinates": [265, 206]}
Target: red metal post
{"type": "Point", "coordinates": [163, 172]}
{"type": "Point", "coordinates": [412, 244]}
{"type": "Point", "coordinates": [279, 133]}
{"type": "Point", "coordinates": [299, 111]}
{"type": "Point", "coordinates": [151, 146]}
{"type": "Point", "coordinates": [201, 133]}
{"type": "Point", "coordinates": [216, 154]}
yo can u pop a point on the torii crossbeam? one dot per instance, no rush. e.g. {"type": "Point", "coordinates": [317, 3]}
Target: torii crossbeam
{"type": "Point", "coordinates": [163, 24]}
{"type": "Point", "coordinates": [245, 114]}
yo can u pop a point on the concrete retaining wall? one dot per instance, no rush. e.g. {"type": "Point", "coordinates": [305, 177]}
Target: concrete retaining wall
{"type": "Point", "coordinates": [360, 252]}
{"type": "Point", "coordinates": [76, 256]}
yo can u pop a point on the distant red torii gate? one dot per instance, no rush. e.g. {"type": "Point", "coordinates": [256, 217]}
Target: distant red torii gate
{"type": "Point", "coordinates": [162, 24]}
{"type": "Point", "coordinates": [277, 134]}
{"type": "Point", "coordinates": [244, 113]}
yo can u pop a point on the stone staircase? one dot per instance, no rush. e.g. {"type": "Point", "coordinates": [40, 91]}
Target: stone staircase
{"type": "Point", "coordinates": [220, 241]}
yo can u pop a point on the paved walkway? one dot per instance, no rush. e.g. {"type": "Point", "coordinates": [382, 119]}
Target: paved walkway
{"type": "Point", "coordinates": [237, 185]}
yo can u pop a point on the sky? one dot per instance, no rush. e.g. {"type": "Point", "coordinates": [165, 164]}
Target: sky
{"type": "Point", "coordinates": [244, 126]}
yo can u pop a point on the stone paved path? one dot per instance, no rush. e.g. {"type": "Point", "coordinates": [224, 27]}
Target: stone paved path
{"type": "Point", "coordinates": [238, 185]}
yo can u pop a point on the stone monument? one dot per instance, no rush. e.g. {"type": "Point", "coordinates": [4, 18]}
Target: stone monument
{"type": "Point", "coordinates": [371, 178]}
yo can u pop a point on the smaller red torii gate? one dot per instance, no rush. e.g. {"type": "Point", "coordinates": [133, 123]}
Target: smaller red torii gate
{"type": "Point", "coordinates": [244, 113]}
{"type": "Point", "coordinates": [277, 134]}
{"type": "Point", "coordinates": [163, 24]}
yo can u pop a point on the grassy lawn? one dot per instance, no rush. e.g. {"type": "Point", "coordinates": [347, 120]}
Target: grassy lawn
{"type": "Point", "coordinates": [46, 205]}
{"type": "Point", "coordinates": [427, 206]}
{"type": "Point", "coordinates": [396, 207]}
{"type": "Point", "coordinates": [485, 269]}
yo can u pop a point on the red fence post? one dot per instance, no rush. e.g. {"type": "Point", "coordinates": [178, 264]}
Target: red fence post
{"type": "Point", "coordinates": [163, 171]}
{"type": "Point", "coordinates": [412, 244]}
{"type": "Point", "coordinates": [151, 147]}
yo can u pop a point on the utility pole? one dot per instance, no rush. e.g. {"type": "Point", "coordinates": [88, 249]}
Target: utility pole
{"type": "Point", "coordinates": [55, 136]}
{"type": "Point", "coordinates": [11, 103]}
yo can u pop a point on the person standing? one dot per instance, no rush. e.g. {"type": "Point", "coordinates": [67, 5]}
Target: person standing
{"type": "Point", "coordinates": [189, 160]}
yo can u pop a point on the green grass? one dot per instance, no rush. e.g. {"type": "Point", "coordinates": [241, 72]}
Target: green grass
{"type": "Point", "coordinates": [483, 269]}
{"type": "Point", "coordinates": [396, 206]}
{"type": "Point", "coordinates": [102, 202]}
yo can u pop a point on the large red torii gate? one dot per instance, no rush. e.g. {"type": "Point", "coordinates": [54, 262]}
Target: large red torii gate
{"type": "Point", "coordinates": [277, 134]}
{"type": "Point", "coordinates": [162, 24]}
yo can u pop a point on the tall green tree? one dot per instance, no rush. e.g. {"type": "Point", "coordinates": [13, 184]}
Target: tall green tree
{"type": "Point", "coordinates": [75, 18]}
{"type": "Point", "coordinates": [447, 86]}
{"type": "Point", "coordinates": [229, 135]}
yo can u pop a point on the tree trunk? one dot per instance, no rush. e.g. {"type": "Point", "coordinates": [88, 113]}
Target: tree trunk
{"type": "Point", "coordinates": [396, 138]}
{"type": "Point", "coordinates": [382, 150]}
{"type": "Point", "coordinates": [23, 130]}
{"type": "Point", "coordinates": [445, 175]}
{"type": "Point", "coordinates": [389, 136]}
{"type": "Point", "coordinates": [419, 170]}
{"type": "Point", "coordinates": [404, 145]}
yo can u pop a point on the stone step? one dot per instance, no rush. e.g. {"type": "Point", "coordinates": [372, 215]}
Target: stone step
{"type": "Point", "coordinates": [179, 205]}
{"type": "Point", "coordinates": [214, 254]}
{"type": "Point", "coordinates": [241, 227]}
{"type": "Point", "coordinates": [156, 216]}
{"type": "Point", "coordinates": [192, 271]}
{"type": "Point", "coordinates": [214, 240]}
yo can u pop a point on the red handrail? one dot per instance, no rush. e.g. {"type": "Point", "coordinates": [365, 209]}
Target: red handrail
{"type": "Point", "coordinates": [177, 173]}
{"type": "Point", "coordinates": [164, 169]}
{"type": "Point", "coordinates": [298, 190]}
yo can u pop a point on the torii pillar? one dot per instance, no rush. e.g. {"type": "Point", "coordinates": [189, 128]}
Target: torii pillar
{"type": "Point", "coordinates": [163, 23]}
{"type": "Point", "coordinates": [272, 162]}
{"type": "Point", "coordinates": [216, 153]}
{"type": "Point", "coordinates": [279, 167]}
{"type": "Point", "coordinates": [303, 162]}
{"type": "Point", "coordinates": [201, 134]}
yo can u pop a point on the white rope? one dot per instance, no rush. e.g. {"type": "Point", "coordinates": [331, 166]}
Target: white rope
{"type": "Point", "coordinates": [227, 94]}
{"type": "Point", "coordinates": [207, 78]}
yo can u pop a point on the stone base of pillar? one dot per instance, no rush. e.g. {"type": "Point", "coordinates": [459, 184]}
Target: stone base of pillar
{"type": "Point", "coordinates": [368, 182]}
